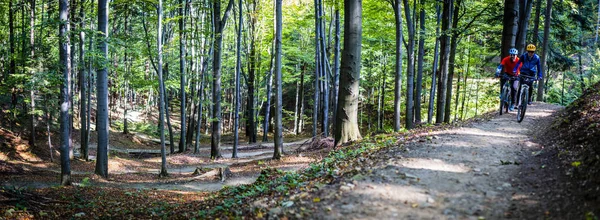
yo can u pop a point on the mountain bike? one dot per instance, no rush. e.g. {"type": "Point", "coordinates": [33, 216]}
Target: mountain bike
{"type": "Point", "coordinates": [505, 93]}
{"type": "Point", "coordinates": [523, 95]}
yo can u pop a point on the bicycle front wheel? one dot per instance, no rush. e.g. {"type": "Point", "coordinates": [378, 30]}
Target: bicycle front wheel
{"type": "Point", "coordinates": [524, 99]}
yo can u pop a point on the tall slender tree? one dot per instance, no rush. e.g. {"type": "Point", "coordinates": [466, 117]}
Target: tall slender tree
{"type": "Point", "coordinates": [336, 65]}
{"type": "Point", "coordinates": [524, 15]}
{"type": "Point", "coordinates": [398, 71]}
{"type": "Point", "coordinates": [32, 72]}
{"type": "Point", "coordinates": [419, 85]}
{"type": "Point", "coordinates": [510, 25]}
{"type": "Point", "coordinates": [445, 61]}
{"type": "Point", "coordinates": [545, 49]}
{"type": "Point", "coordinates": [182, 80]}
{"type": "Point", "coordinates": [218, 25]}
{"type": "Point", "coordinates": [161, 93]}
{"type": "Point", "coordinates": [102, 91]}
{"type": "Point", "coordinates": [238, 69]}
{"type": "Point", "coordinates": [65, 93]}
{"type": "Point", "coordinates": [435, 65]}
{"type": "Point", "coordinates": [278, 127]}
{"type": "Point", "coordinates": [347, 111]}
{"type": "Point", "coordinates": [410, 74]}
{"type": "Point", "coordinates": [317, 69]}
{"type": "Point", "coordinates": [83, 86]}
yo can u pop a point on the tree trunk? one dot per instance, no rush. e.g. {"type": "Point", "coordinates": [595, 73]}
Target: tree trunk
{"type": "Point", "coordinates": [336, 66]}
{"type": "Point", "coordinates": [410, 74]}
{"type": "Point", "coordinates": [324, 74]}
{"type": "Point", "coordinates": [435, 66]}
{"type": "Point", "coordinates": [252, 70]}
{"type": "Point", "coordinates": [347, 111]}
{"type": "Point", "coordinates": [278, 144]}
{"type": "Point", "coordinates": [32, 58]}
{"type": "Point", "coordinates": [102, 120]}
{"type": "Point", "coordinates": [83, 88]}
{"type": "Point", "coordinates": [420, 58]}
{"type": "Point", "coordinates": [182, 82]}
{"type": "Point", "coordinates": [398, 71]}
{"type": "Point", "coordinates": [219, 26]}
{"type": "Point", "coordinates": [238, 69]}
{"type": "Point", "coordinates": [545, 48]}
{"type": "Point", "coordinates": [525, 13]}
{"type": "Point", "coordinates": [452, 60]}
{"type": "Point", "coordinates": [317, 70]}
{"type": "Point", "coordinates": [161, 91]}
{"type": "Point", "coordinates": [11, 39]}
{"type": "Point", "coordinates": [536, 22]}
{"type": "Point", "coordinates": [445, 53]}
{"type": "Point", "coordinates": [269, 87]}
{"type": "Point", "coordinates": [65, 64]}
{"type": "Point", "coordinates": [510, 25]}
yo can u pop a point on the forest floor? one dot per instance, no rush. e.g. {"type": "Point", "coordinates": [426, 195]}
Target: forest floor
{"type": "Point", "coordinates": [491, 167]}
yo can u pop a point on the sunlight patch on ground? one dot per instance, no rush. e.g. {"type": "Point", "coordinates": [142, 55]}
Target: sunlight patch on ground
{"type": "Point", "coordinates": [479, 132]}
{"type": "Point", "coordinates": [538, 114]}
{"type": "Point", "coordinates": [399, 193]}
{"type": "Point", "coordinates": [433, 164]}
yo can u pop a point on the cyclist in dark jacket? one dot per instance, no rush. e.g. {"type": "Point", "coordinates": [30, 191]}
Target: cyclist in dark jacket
{"type": "Point", "coordinates": [530, 66]}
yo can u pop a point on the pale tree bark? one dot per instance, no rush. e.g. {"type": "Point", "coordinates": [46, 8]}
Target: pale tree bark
{"type": "Point", "coordinates": [32, 58]}
{"type": "Point", "coordinates": [161, 87]}
{"type": "Point", "coordinates": [347, 112]}
{"type": "Point", "coordinates": [336, 65]}
{"type": "Point", "coordinates": [218, 25]}
{"type": "Point", "coordinates": [278, 127]}
{"type": "Point", "coordinates": [547, 19]}
{"type": "Point", "coordinates": [238, 69]}
{"type": "Point", "coordinates": [317, 70]}
{"type": "Point", "coordinates": [435, 66]}
{"type": "Point", "coordinates": [398, 71]}
{"type": "Point", "coordinates": [65, 65]}
{"type": "Point", "coordinates": [102, 127]}
{"type": "Point", "coordinates": [445, 61]}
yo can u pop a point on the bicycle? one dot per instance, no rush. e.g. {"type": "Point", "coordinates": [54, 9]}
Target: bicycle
{"type": "Point", "coordinates": [505, 94]}
{"type": "Point", "coordinates": [523, 98]}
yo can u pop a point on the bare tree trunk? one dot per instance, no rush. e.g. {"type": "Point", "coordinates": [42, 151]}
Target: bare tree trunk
{"type": "Point", "coordinates": [182, 82]}
{"type": "Point", "coordinates": [435, 66]}
{"type": "Point", "coordinates": [83, 88]}
{"type": "Point", "coordinates": [317, 70]}
{"type": "Point", "coordinates": [102, 119]}
{"type": "Point", "coordinates": [65, 64]}
{"type": "Point", "coordinates": [161, 88]}
{"type": "Point", "coordinates": [536, 23]}
{"type": "Point", "coordinates": [238, 69]}
{"type": "Point", "coordinates": [347, 111]}
{"type": "Point", "coordinates": [410, 74]}
{"type": "Point", "coordinates": [453, 45]}
{"type": "Point", "coordinates": [511, 23]}
{"type": "Point", "coordinates": [398, 71]}
{"type": "Point", "coordinates": [336, 66]}
{"type": "Point", "coordinates": [278, 144]}
{"type": "Point", "coordinates": [524, 14]}
{"type": "Point", "coordinates": [547, 18]}
{"type": "Point", "coordinates": [445, 41]}
{"type": "Point", "coordinates": [219, 26]}
{"type": "Point", "coordinates": [420, 58]}
{"type": "Point", "coordinates": [32, 58]}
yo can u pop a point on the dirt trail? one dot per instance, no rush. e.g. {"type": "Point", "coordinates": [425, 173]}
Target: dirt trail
{"type": "Point", "coordinates": [462, 173]}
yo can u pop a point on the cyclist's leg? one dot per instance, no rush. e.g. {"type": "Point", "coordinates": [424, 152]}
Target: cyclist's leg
{"type": "Point", "coordinates": [502, 81]}
{"type": "Point", "coordinates": [530, 91]}
{"type": "Point", "coordinates": [513, 91]}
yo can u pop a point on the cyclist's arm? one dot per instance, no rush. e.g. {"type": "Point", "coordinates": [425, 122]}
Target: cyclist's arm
{"type": "Point", "coordinates": [517, 68]}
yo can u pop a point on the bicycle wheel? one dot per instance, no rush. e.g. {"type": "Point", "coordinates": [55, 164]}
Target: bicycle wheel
{"type": "Point", "coordinates": [504, 99]}
{"type": "Point", "coordinates": [524, 98]}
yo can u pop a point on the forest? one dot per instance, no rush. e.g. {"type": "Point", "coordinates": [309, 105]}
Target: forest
{"type": "Point", "coordinates": [118, 94]}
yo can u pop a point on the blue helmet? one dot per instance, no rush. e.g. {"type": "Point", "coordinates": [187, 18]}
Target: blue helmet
{"type": "Point", "coordinates": [513, 51]}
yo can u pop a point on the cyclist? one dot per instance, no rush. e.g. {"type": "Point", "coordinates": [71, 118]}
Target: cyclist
{"type": "Point", "coordinates": [507, 67]}
{"type": "Point", "coordinates": [529, 65]}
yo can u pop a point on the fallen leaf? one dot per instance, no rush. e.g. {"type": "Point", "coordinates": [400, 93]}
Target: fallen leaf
{"type": "Point", "coordinates": [317, 199]}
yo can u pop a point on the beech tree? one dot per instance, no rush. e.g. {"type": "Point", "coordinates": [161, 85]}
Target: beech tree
{"type": "Point", "coordinates": [102, 123]}
{"type": "Point", "coordinates": [65, 93]}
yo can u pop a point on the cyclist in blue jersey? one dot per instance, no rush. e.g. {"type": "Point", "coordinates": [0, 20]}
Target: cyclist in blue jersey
{"type": "Point", "coordinates": [530, 66]}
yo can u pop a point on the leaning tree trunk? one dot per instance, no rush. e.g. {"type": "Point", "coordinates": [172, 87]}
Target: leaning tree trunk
{"type": "Point", "coordinates": [65, 93]}
{"type": "Point", "coordinates": [398, 70]}
{"type": "Point", "coordinates": [102, 92]}
{"type": "Point", "coordinates": [278, 144]}
{"type": "Point", "coordinates": [347, 111]}
{"type": "Point", "coordinates": [547, 18]}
